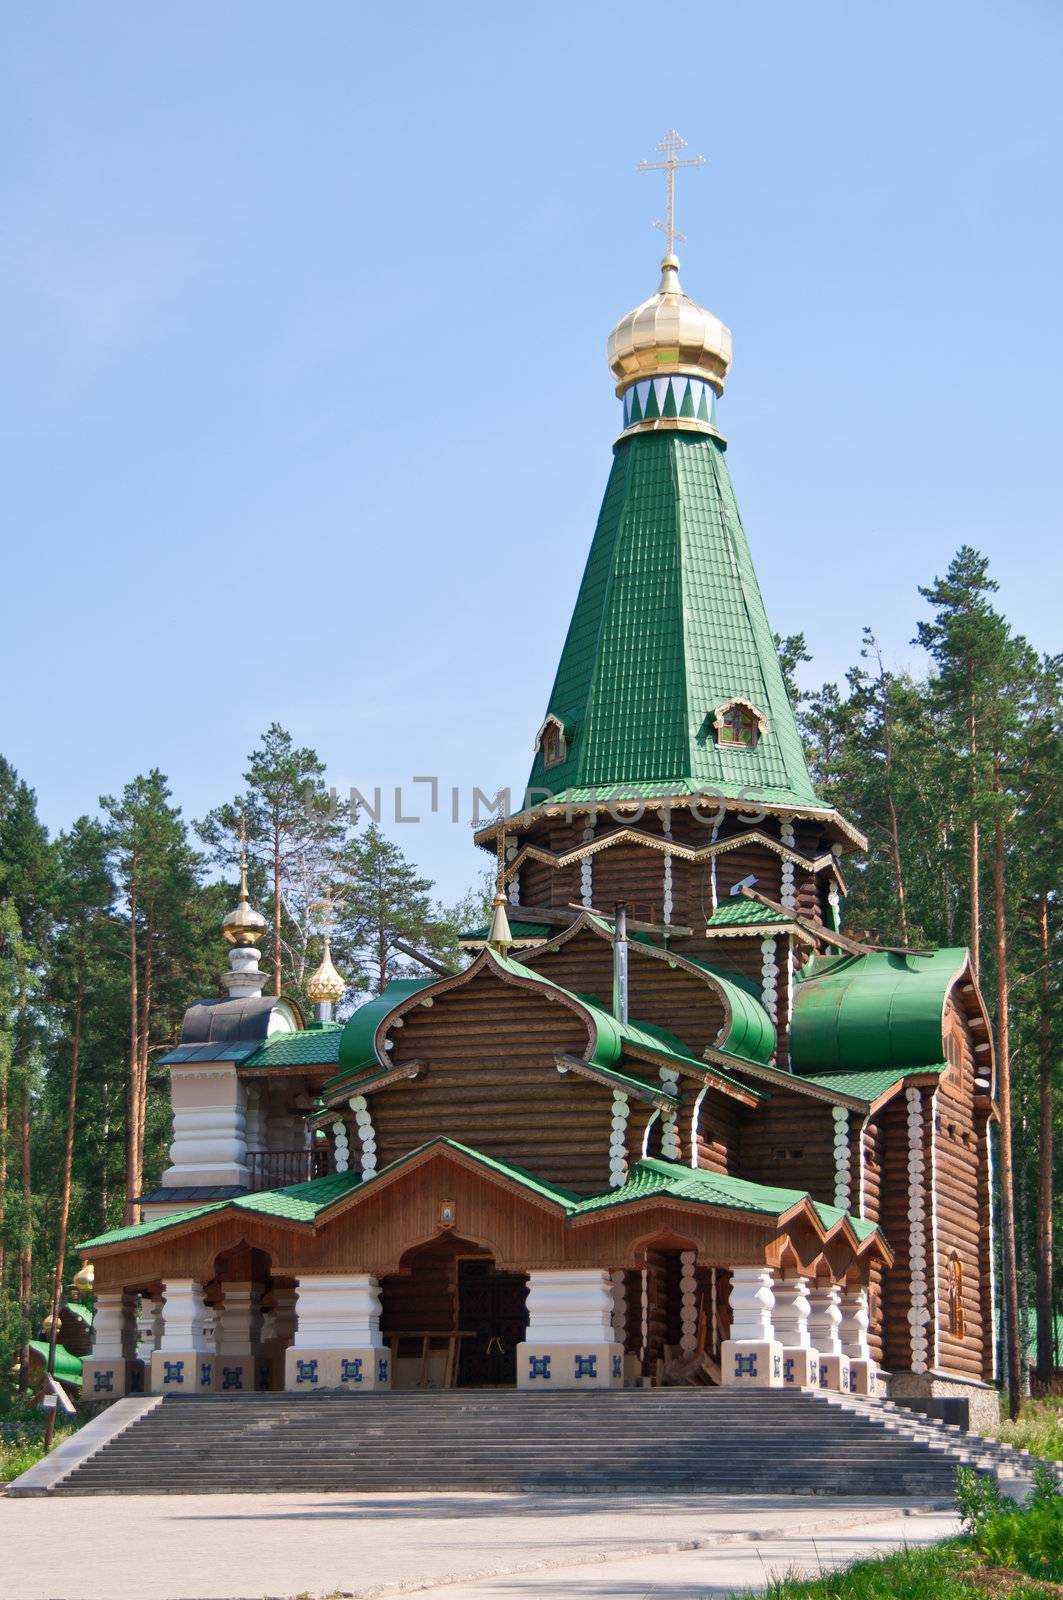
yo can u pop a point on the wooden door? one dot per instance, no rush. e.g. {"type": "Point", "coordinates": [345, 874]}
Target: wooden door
{"type": "Point", "coordinates": [494, 1317]}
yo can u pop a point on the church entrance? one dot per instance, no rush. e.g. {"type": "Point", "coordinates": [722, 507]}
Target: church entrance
{"type": "Point", "coordinates": [493, 1315]}
{"type": "Point", "coordinates": [451, 1319]}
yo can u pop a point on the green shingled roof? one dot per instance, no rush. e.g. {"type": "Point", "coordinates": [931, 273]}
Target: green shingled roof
{"type": "Point", "coordinates": [867, 1085]}
{"type": "Point", "coordinates": [298, 1202]}
{"type": "Point", "coordinates": [538, 931]}
{"type": "Point", "coordinates": [652, 1176]}
{"type": "Point", "coordinates": [648, 1178]}
{"type": "Point", "coordinates": [743, 913]}
{"type": "Point", "coordinates": [316, 1045]}
{"type": "Point", "coordinates": [875, 1011]}
{"type": "Point", "coordinates": [669, 624]}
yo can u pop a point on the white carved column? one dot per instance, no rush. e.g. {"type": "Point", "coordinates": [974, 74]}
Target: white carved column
{"type": "Point", "coordinates": [184, 1361]}
{"type": "Point", "coordinates": [570, 1342]}
{"type": "Point", "coordinates": [800, 1359]}
{"type": "Point", "coordinates": [823, 1326]}
{"type": "Point", "coordinates": [209, 1128]}
{"type": "Point", "coordinates": [618, 1139]}
{"type": "Point", "coordinates": [112, 1370]}
{"type": "Point", "coordinates": [752, 1356]}
{"type": "Point", "coordinates": [338, 1344]}
{"type": "Point", "coordinates": [919, 1313]}
{"type": "Point", "coordinates": [149, 1328]}
{"type": "Point", "coordinates": [856, 1322]}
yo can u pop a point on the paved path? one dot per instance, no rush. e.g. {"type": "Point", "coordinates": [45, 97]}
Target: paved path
{"type": "Point", "coordinates": [476, 1547]}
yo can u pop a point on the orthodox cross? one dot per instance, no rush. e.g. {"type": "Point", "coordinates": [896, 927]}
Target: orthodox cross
{"type": "Point", "coordinates": [669, 147]}
{"type": "Point", "coordinates": [327, 906]}
{"type": "Point", "coordinates": [243, 856]}
{"type": "Point", "coordinates": [500, 845]}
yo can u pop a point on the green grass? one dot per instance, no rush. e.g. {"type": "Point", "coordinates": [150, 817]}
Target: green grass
{"type": "Point", "coordinates": [22, 1439]}
{"type": "Point", "coordinates": [1007, 1551]}
{"type": "Point", "coordinates": [1039, 1428]}
{"type": "Point", "coordinates": [941, 1572]}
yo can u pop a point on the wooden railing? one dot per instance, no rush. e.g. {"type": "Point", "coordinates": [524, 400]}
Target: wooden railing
{"type": "Point", "coordinates": [276, 1169]}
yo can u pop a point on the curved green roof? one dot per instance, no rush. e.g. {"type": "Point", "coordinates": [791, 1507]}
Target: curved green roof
{"type": "Point", "coordinates": [356, 1042]}
{"type": "Point", "coordinates": [67, 1366]}
{"type": "Point", "coordinates": [878, 1010]}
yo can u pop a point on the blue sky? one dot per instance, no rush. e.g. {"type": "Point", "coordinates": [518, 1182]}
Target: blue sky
{"type": "Point", "coordinates": [303, 311]}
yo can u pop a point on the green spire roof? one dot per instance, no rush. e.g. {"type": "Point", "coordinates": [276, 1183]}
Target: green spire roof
{"type": "Point", "coordinates": [669, 624]}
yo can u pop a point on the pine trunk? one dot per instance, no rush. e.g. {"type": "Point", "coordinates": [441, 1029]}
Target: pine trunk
{"type": "Point", "coordinates": [1045, 1296]}
{"type": "Point", "coordinates": [3, 1175]}
{"type": "Point", "coordinates": [25, 1290]}
{"type": "Point", "coordinates": [132, 1171]}
{"type": "Point", "coordinates": [1007, 1165]}
{"type": "Point", "coordinates": [975, 849]}
{"type": "Point", "coordinates": [276, 907]}
{"type": "Point", "coordinates": [64, 1201]}
{"type": "Point", "coordinates": [144, 1035]}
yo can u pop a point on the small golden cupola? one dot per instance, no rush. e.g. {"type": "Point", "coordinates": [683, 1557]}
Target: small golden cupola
{"type": "Point", "coordinates": [326, 987]}
{"type": "Point", "coordinates": [670, 356]}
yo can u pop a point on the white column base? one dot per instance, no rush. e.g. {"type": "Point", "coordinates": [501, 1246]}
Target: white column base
{"type": "Point", "coordinates": [751, 1363]}
{"type": "Point", "coordinates": [834, 1373]}
{"type": "Point", "coordinates": [182, 1371]}
{"type": "Point", "coordinates": [863, 1376]}
{"type": "Point", "coordinates": [354, 1370]}
{"type": "Point", "coordinates": [800, 1367]}
{"type": "Point", "coordinates": [544, 1364]}
{"type": "Point", "coordinates": [110, 1378]}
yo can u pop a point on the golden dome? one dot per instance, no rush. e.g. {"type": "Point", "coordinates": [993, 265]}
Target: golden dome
{"type": "Point", "coordinates": [669, 333]}
{"type": "Point", "coordinates": [326, 984]}
{"type": "Point", "coordinates": [244, 925]}
{"type": "Point", "coordinates": [84, 1280]}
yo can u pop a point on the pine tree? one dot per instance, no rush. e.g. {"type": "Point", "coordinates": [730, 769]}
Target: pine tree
{"type": "Point", "coordinates": [292, 829]}
{"type": "Point", "coordinates": [383, 901]}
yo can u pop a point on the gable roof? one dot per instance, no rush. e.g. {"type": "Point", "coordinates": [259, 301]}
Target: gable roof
{"type": "Point", "coordinates": [651, 1178]}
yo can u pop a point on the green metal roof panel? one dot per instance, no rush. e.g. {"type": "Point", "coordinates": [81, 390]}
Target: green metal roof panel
{"type": "Point", "coordinates": [669, 624]}
{"type": "Point", "coordinates": [356, 1043]}
{"type": "Point", "coordinates": [879, 1010]}
{"type": "Point", "coordinates": [67, 1367]}
{"type": "Point", "coordinates": [227, 1051]}
{"type": "Point", "coordinates": [309, 1047]}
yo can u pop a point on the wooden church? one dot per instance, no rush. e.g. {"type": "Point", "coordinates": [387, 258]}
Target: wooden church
{"type": "Point", "coordinates": [670, 1124]}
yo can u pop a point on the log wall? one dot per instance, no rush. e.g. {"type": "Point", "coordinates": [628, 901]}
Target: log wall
{"type": "Point", "coordinates": [491, 1082]}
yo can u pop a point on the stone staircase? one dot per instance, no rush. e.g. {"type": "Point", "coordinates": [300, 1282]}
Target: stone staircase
{"type": "Point", "coordinates": [1011, 1466]}
{"type": "Point", "coordinates": [664, 1441]}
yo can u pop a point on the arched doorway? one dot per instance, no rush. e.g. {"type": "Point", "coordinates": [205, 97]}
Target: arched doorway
{"type": "Point", "coordinates": [451, 1318]}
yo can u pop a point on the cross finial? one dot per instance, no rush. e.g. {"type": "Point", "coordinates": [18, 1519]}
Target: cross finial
{"type": "Point", "coordinates": [670, 147]}
{"type": "Point", "coordinates": [243, 856]}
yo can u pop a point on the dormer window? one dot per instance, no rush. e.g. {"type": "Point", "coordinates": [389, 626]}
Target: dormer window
{"type": "Point", "coordinates": [552, 741]}
{"type": "Point", "coordinates": [738, 724]}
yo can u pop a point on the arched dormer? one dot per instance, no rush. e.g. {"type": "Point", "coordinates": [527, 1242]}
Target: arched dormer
{"type": "Point", "coordinates": [738, 724]}
{"type": "Point", "coordinates": [552, 741]}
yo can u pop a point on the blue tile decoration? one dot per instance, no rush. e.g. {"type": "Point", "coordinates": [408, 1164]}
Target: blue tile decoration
{"type": "Point", "coordinates": [382, 1370]}
{"type": "Point", "coordinates": [104, 1383]}
{"type": "Point", "coordinates": [173, 1372]}
{"type": "Point", "coordinates": [745, 1366]}
{"type": "Point", "coordinates": [788, 1370]}
{"type": "Point", "coordinates": [813, 1371]}
{"type": "Point", "coordinates": [586, 1366]}
{"type": "Point", "coordinates": [232, 1377]}
{"type": "Point", "coordinates": [776, 1366]}
{"type": "Point", "coordinates": [306, 1371]}
{"type": "Point", "coordinates": [618, 1366]}
{"type": "Point", "coordinates": [538, 1366]}
{"type": "Point", "coordinates": [350, 1371]}
{"type": "Point", "coordinates": [204, 1374]}
{"type": "Point", "coordinates": [823, 1377]}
